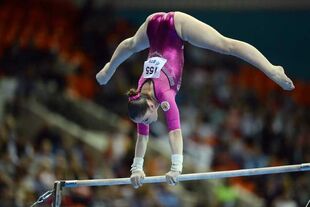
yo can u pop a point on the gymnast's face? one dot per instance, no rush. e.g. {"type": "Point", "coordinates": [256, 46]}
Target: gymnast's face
{"type": "Point", "coordinates": [151, 114]}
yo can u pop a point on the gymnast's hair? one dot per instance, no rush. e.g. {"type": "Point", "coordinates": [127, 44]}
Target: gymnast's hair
{"type": "Point", "coordinates": [137, 105]}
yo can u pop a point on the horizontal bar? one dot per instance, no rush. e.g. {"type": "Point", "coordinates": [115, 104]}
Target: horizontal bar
{"type": "Point", "coordinates": [188, 177]}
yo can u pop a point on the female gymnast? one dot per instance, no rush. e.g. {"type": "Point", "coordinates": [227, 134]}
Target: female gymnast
{"type": "Point", "coordinates": [164, 35]}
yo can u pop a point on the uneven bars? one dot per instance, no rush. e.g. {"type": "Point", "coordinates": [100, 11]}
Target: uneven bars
{"type": "Point", "coordinates": [58, 185]}
{"type": "Point", "coordinates": [188, 177]}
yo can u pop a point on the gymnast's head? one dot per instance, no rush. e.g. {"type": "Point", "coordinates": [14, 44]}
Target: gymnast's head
{"type": "Point", "coordinates": [141, 107]}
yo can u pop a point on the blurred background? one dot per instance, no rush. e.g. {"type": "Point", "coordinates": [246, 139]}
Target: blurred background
{"type": "Point", "coordinates": [57, 123]}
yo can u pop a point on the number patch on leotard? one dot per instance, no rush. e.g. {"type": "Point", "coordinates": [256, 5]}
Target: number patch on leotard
{"type": "Point", "coordinates": [153, 66]}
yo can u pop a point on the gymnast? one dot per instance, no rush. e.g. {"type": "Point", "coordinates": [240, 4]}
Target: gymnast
{"type": "Point", "coordinates": [164, 35]}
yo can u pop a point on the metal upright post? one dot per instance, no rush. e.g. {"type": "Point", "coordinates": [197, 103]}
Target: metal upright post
{"type": "Point", "coordinates": [57, 194]}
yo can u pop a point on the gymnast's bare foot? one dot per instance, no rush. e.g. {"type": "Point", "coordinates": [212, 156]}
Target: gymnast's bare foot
{"type": "Point", "coordinates": [281, 79]}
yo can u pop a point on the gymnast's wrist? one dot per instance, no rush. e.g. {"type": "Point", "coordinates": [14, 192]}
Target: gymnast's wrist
{"type": "Point", "coordinates": [137, 164]}
{"type": "Point", "coordinates": [176, 162]}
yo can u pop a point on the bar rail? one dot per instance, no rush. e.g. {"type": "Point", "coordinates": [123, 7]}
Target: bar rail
{"type": "Point", "coordinates": [188, 177]}
{"type": "Point", "coordinates": [59, 185]}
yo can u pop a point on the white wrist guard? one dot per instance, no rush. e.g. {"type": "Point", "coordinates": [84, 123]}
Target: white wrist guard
{"type": "Point", "coordinates": [137, 164]}
{"type": "Point", "coordinates": [177, 162]}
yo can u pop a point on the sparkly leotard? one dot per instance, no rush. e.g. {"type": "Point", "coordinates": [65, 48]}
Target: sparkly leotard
{"type": "Point", "coordinates": [165, 42]}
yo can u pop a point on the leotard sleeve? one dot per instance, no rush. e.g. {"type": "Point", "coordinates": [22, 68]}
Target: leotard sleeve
{"type": "Point", "coordinates": [143, 129]}
{"type": "Point", "coordinates": [170, 108]}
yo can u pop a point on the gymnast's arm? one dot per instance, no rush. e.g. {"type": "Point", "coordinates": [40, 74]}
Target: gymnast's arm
{"type": "Point", "coordinates": [175, 136]}
{"type": "Point", "coordinates": [137, 172]}
{"type": "Point", "coordinates": [202, 35]}
{"type": "Point", "coordinates": [123, 51]}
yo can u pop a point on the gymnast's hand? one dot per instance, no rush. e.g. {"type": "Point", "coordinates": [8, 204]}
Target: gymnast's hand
{"type": "Point", "coordinates": [136, 178]}
{"type": "Point", "coordinates": [104, 74]}
{"type": "Point", "coordinates": [172, 177]}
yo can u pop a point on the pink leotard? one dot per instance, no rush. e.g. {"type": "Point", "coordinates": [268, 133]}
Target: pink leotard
{"type": "Point", "coordinates": [165, 42]}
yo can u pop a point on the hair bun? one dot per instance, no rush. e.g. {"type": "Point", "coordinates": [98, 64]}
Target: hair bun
{"type": "Point", "coordinates": [132, 92]}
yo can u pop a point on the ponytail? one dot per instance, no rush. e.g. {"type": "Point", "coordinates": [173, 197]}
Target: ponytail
{"type": "Point", "coordinates": [132, 92]}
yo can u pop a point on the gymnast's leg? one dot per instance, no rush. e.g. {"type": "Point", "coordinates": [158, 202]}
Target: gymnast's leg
{"type": "Point", "coordinates": [202, 35]}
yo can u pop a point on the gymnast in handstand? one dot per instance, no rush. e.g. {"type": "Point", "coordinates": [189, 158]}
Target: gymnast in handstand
{"type": "Point", "coordinates": [164, 34]}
